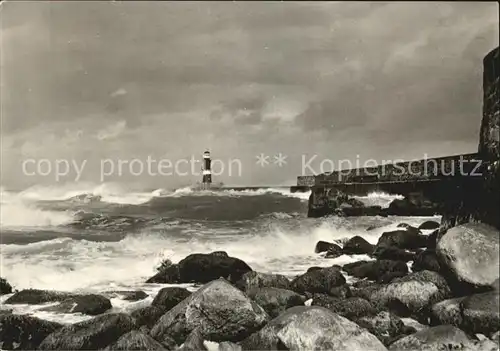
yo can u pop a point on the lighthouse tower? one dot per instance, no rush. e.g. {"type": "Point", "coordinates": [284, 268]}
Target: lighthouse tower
{"type": "Point", "coordinates": [207, 172]}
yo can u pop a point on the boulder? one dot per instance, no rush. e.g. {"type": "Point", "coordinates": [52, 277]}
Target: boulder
{"type": "Point", "coordinates": [412, 323]}
{"type": "Point", "coordinates": [93, 334]}
{"type": "Point", "coordinates": [334, 252]}
{"type": "Point", "coordinates": [5, 287]}
{"type": "Point", "coordinates": [426, 261]}
{"type": "Point", "coordinates": [135, 340]}
{"type": "Point", "coordinates": [341, 292]}
{"type": "Point", "coordinates": [350, 308]}
{"type": "Point", "coordinates": [254, 280]}
{"type": "Point", "coordinates": [412, 295]}
{"type": "Point", "coordinates": [375, 270]}
{"type": "Point", "coordinates": [393, 253]}
{"type": "Point", "coordinates": [311, 328]}
{"type": "Point", "coordinates": [203, 268]}
{"type": "Point", "coordinates": [148, 316]}
{"type": "Point", "coordinates": [357, 246]}
{"type": "Point", "coordinates": [36, 297]}
{"type": "Point", "coordinates": [90, 304]}
{"type": "Point", "coordinates": [429, 225]}
{"type": "Point", "coordinates": [318, 281]}
{"type": "Point", "coordinates": [22, 332]}
{"type": "Point", "coordinates": [443, 337]}
{"type": "Point", "coordinates": [403, 239]}
{"type": "Point", "coordinates": [432, 239]}
{"type": "Point", "coordinates": [323, 246]}
{"type": "Point", "coordinates": [447, 312]}
{"type": "Point", "coordinates": [385, 326]}
{"type": "Point", "coordinates": [168, 297]}
{"type": "Point", "coordinates": [481, 313]}
{"type": "Point", "coordinates": [194, 342]}
{"type": "Point", "coordinates": [275, 301]}
{"type": "Point", "coordinates": [468, 255]}
{"type": "Point", "coordinates": [167, 274]}
{"type": "Point", "coordinates": [218, 309]}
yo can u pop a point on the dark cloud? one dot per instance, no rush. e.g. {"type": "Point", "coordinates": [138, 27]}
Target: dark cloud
{"type": "Point", "coordinates": [243, 77]}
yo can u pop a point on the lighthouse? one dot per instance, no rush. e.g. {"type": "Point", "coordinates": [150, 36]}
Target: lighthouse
{"type": "Point", "coordinates": [206, 171]}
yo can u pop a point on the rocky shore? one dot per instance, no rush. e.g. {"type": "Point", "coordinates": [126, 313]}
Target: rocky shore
{"type": "Point", "coordinates": [417, 291]}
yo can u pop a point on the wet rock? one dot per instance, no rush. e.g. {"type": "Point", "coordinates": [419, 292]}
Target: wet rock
{"type": "Point", "coordinates": [403, 239]}
{"type": "Point", "coordinates": [364, 289]}
{"type": "Point", "coordinates": [469, 256]}
{"type": "Point", "coordinates": [36, 297]}
{"type": "Point", "coordinates": [393, 253]}
{"type": "Point", "coordinates": [334, 252]}
{"type": "Point", "coordinates": [90, 304]}
{"type": "Point", "coordinates": [19, 332]}
{"type": "Point", "coordinates": [350, 308]}
{"type": "Point", "coordinates": [254, 280]}
{"type": "Point", "coordinates": [229, 346]}
{"type": "Point", "coordinates": [311, 328]}
{"type": "Point", "coordinates": [168, 297]}
{"type": "Point", "coordinates": [218, 309]}
{"type": "Point", "coordinates": [318, 281]}
{"type": "Point", "coordinates": [374, 270]}
{"type": "Point", "coordinates": [432, 239]}
{"type": "Point", "coordinates": [443, 337]}
{"type": "Point", "coordinates": [341, 292]}
{"type": "Point", "coordinates": [412, 323]}
{"type": "Point", "coordinates": [167, 274]}
{"type": "Point", "coordinates": [194, 342]}
{"type": "Point", "coordinates": [481, 313]}
{"type": "Point", "coordinates": [447, 312]}
{"type": "Point", "coordinates": [148, 316]}
{"type": "Point", "coordinates": [357, 246]}
{"type": "Point", "coordinates": [405, 207]}
{"type": "Point", "coordinates": [5, 287]}
{"type": "Point", "coordinates": [275, 301]}
{"type": "Point", "coordinates": [93, 334]}
{"type": "Point", "coordinates": [135, 295]}
{"type": "Point", "coordinates": [135, 340]}
{"type": "Point", "coordinates": [323, 246]}
{"type": "Point", "coordinates": [428, 225]}
{"type": "Point", "coordinates": [203, 268]}
{"type": "Point", "coordinates": [385, 326]}
{"type": "Point", "coordinates": [412, 295]}
{"type": "Point", "coordinates": [426, 261]}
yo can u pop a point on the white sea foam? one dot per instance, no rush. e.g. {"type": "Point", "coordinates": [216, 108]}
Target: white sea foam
{"type": "Point", "coordinates": [378, 199]}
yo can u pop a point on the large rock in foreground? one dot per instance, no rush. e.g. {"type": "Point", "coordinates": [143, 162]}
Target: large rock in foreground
{"type": "Point", "coordinates": [469, 255]}
{"type": "Point", "coordinates": [312, 328]}
{"type": "Point", "coordinates": [476, 314]}
{"type": "Point", "coordinates": [136, 341]}
{"type": "Point", "coordinates": [412, 295]}
{"type": "Point", "coordinates": [202, 268]}
{"type": "Point", "coordinates": [93, 334]}
{"type": "Point", "coordinates": [24, 332]}
{"type": "Point", "coordinates": [443, 337]}
{"type": "Point", "coordinates": [220, 311]}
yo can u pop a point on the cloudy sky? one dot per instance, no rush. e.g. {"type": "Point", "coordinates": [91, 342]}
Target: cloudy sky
{"type": "Point", "coordinates": [127, 80]}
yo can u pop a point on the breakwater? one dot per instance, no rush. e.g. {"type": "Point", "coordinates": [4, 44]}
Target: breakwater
{"type": "Point", "coordinates": [465, 187]}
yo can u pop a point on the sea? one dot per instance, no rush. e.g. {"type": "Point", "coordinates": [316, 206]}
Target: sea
{"type": "Point", "coordinates": [102, 238]}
